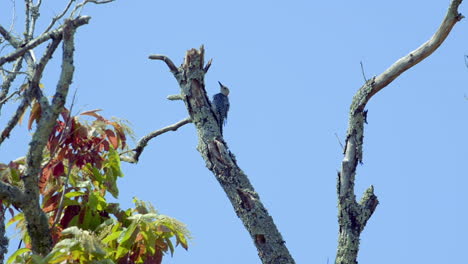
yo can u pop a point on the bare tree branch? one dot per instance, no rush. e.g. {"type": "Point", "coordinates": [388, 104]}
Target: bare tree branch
{"type": "Point", "coordinates": [39, 69]}
{"type": "Point", "coordinates": [34, 16]}
{"type": "Point", "coordinates": [38, 4]}
{"type": "Point", "coordinates": [37, 223]}
{"type": "Point", "coordinates": [214, 150]}
{"type": "Point", "coordinates": [16, 116]}
{"type": "Point", "coordinates": [8, 98]}
{"type": "Point", "coordinates": [144, 141]}
{"type": "Point", "coordinates": [9, 37]}
{"type": "Point", "coordinates": [207, 66]}
{"type": "Point", "coordinates": [81, 5]}
{"type": "Point", "coordinates": [28, 201]}
{"type": "Point", "coordinates": [32, 89]}
{"type": "Point", "coordinates": [353, 216]}
{"type": "Point", "coordinates": [168, 62]}
{"type": "Point", "coordinates": [175, 97]}
{"type": "Point", "coordinates": [13, 17]}
{"type": "Point", "coordinates": [27, 20]}
{"type": "Point", "coordinates": [12, 194]}
{"type": "Point", "coordinates": [419, 54]}
{"type": "Point", "coordinates": [59, 16]}
{"type": "Point", "coordinates": [5, 88]}
{"type": "Point", "coordinates": [79, 21]}
{"type": "Point", "coordinates": [16, 197]}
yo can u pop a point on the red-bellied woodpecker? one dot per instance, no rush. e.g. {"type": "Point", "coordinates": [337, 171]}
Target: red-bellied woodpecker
{"type": "Point", "coordinates": [221, 105]}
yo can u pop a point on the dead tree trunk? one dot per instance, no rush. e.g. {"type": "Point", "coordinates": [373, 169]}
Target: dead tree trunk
{"type": "Point", "coordinates": [214, 150]}
{"type": "Point", "coordinates": [353, 215]}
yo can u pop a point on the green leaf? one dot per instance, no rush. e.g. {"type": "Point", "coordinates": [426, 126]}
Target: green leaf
{"type": "Point", "coordinates": [16, 254]}
{"type": "Point", "coordinates": [96, 202]}
{"type": "Point", "coordinates": [112, 237]}
{"type": "Point", "coordinates": [14, 175]}
{"type": "Point", "coordinates": [127, 234]}
{"type": "Point", "coordinates": [169, 243]}
{"type": "Point", "coordinates": [114, 162]}
{"type": "Point", "coordinates": [68, 202]}
{"type": "Point", "coordinates": [121, 251]}
{"type": "Point", "coordinates": [74, 194]}
{"type": "Point", "coordinates": [150, 241]}
{"type": "Point", "coordinates": [84, 184]}
{"type": "Point", "coordinates": [17, 218]}
{"type": "Point", "coordinates": [96, 173]}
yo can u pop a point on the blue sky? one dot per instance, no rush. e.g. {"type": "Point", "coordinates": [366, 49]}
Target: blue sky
{"type": "Point", "coordinates": [292, 68]}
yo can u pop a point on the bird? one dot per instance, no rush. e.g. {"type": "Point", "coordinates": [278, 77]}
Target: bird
{"type": "Point", "coordinates": [221, 105]}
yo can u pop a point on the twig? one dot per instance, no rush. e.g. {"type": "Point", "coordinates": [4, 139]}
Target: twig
{"type": "Point", "coordinates": [9, 37]}
{"type": "Point", "coordinates": [168, 62]}
{"type": "Point", "coordinates": [9, 97]}
{"type": "Point", "coordinates": [56, 18]}
{"type": "Point", "coordinates": [207, 66]}
{"type": "Point", "coordinates": [13, 17]}
{"type": "Point", "coordinates": [81, 5]}
{"type": "Point", "coordinates": [339, 141]}
{"type": "Point", "coordinates": [363, 73]}
{"type": "Point", "coordinates": [8, 80]}
{"type": "Point", "coordinates": [79, 21]}
{"type": "Point", "coordinates": [12, 71]}
{"type": "Point", "coordinates": [16, 117]}
{"type": "Point", "coordinates": [144, 141]}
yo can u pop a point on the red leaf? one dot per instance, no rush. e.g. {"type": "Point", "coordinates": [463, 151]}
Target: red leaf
{"type": "Point", "coordinates": [112, 138]}
{"type": "Point", "coordinates": [59, 169]}
{"type": "Point", "coordinates": [104, 146]}
{"type": "Point", "coordinates": [70, 212]}
{"type": "Point", "coordinates": [52, 143]}
{"type": "Point", "coordinates": [51, 204]}
{"type": "Point", "coordinates": [94, 114]}
{"type": "Point", "coordinates": [81, 131]}
{"type": "Point", "coordinates": [56, 232]}
{"type": "Point", "coordinates": [80, 162]}
{"type": "Point", "coordinates": [62, 154]}
{"type": "Point", "coordinates": [46, 172]}
{"type": "Point", "coordinates": [120, 133]}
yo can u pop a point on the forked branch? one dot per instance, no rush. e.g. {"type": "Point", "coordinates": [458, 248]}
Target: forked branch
{"type": "Point", "coordinates": [353, 216]}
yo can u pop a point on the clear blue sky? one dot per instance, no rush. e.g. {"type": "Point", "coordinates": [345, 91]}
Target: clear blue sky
{"type": "Point", "coordinates": [293, 68]}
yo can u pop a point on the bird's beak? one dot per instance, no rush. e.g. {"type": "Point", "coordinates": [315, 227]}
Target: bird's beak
{"type": "Point", "coordinates": [220, 84]}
